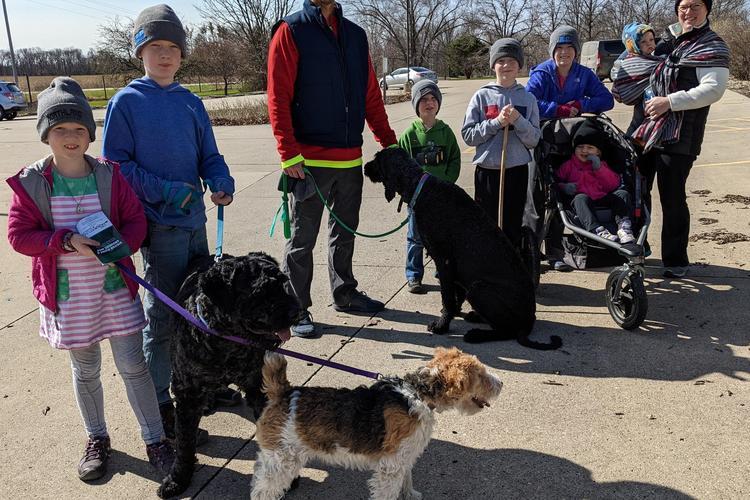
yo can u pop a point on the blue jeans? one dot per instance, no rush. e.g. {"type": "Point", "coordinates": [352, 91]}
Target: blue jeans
{"type": "Point", "coordinates": [165, 263]}
{"type": "Point", "coordinates": [414, 251]}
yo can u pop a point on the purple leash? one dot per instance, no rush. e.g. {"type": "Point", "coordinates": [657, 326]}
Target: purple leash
{"type": "Point", "coordinates": [239, 340]}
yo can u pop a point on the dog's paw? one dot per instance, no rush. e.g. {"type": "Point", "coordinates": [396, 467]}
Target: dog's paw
{"type": "Point", "coordinates": [412, 495]}
{"type": "Point", "coordinates": [169, 487]}
{"type": "Point", "coordinates": [474, 317]}
{"type": "Point", "coordinates": [438, 326]}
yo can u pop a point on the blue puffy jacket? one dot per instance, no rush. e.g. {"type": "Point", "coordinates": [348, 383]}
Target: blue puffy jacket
{"type": "Point", "coordinates": [580, 85]}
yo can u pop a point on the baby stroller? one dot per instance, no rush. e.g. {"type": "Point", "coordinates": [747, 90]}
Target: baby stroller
{"type": "Point", "coordinates": [625, 293]}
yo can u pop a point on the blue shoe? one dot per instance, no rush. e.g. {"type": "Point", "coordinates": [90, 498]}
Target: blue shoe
{"type": "Point", "coordinates": [304, 328]}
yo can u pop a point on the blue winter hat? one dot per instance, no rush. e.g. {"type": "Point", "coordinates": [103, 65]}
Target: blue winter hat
{"type": "Point", "coordinates": [632, 35]}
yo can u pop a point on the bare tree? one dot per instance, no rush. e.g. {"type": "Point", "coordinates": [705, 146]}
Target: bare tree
{"type": "Point", "coordinates": [586, 17]}
{"type": "Point", "coordinates": [505, 18]}
{"type": "Point", "coordinates": [250, 21]}
{"type": "Point", "coordinates": [115, 48]}
{"type": "Point", "coordinates": [215, 53]}
{"type": "Point", "coordinates": [413, 27]}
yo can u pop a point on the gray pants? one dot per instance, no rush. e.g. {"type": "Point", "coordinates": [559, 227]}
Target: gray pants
{"type": "Point", "coordinates": [342, 188]}
{"type": "Point", "coordinates": [87, 385]}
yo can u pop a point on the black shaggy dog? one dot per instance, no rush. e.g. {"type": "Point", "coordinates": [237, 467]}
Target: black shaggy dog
{"type": "Point", "coordinates": [238, 296]}
{"type": "Point", "coordinates": [474, 259]}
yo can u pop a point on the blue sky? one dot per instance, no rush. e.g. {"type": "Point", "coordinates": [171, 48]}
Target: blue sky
{"type": "Point", "coordinates": [74, 23]}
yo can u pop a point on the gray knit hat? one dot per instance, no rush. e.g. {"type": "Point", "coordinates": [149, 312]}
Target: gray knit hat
{"type": "Point", "coordinates": [564, 34]}
{"type": "Point", "coordinates": [158, 22]}
{"type": "Point", "coordinates": [421, 89]}
{"type": "Point", "coordinates": [63, 101]}
{"type": "Point", "coordinates": [506, 47]}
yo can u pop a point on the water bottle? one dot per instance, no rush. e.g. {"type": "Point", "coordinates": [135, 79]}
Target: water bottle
{"type": "Point", "coordinates": [648, 94]}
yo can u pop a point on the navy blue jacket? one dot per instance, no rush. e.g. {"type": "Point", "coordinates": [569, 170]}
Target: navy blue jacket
{"type": "Point", "coordinates": [329, 95]}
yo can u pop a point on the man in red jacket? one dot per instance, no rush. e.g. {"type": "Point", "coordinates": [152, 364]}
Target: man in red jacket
{"type": "Point", "coordinates": [321, 89]}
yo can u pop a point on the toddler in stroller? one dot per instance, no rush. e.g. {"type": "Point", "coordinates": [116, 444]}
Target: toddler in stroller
{"type": "Point", "coordinates": [591, 184]}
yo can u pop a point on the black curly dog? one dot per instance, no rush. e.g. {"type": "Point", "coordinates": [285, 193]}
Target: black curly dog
{"type": "Point", "coordinates": [240, 296]}
{"type": "Point", "coordinates": [474, 259]}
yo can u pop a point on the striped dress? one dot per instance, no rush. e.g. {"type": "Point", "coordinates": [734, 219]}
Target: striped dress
{"type": "Point", "coordinates": [92, 299]}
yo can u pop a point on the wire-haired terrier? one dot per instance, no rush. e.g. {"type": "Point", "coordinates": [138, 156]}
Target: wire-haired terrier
{"type": "Point", "coordinates": [384, 427]}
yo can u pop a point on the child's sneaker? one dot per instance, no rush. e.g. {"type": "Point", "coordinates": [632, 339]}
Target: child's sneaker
{"type": "Point", "coordinates": [161, 456]}
{"type": "Point", "coordinates": [93, 464]}
{"type": "Point", "coordinates": [625, 230]}
{"type": "Point", "coordinates": [603, 232]}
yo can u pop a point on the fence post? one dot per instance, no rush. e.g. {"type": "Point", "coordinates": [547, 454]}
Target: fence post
{"type": "Point", "coordinates": [199, 86]}
{"type": "Point", "coordinates": [104, 84]}
{"type": "Point", "coordinates": [28, 86]}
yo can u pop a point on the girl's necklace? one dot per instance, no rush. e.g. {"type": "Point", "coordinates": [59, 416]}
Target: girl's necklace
{"type": "Point", "coordinates": [79, 208]}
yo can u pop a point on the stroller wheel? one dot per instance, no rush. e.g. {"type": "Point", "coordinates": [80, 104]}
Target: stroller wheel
{"type": "Point", "coordinates": [530, 254]}
{"type": "Point", "coordinates": [626, 297]}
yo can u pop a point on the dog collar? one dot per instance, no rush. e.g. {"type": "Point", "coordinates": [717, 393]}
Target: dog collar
{"type": "Point", "coordinates": [424, 178]}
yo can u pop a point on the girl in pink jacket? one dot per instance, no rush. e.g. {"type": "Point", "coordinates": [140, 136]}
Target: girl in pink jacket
{"type": "Point", "coordinates": [590, 182]}
{"type": "Point", "coordinates": [83, 302]}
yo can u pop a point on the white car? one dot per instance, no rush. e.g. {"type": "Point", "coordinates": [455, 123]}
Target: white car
{"type": "Point", "coordinates": [11, 100]}
{"type": "Point", "coordinates": [398, 77]}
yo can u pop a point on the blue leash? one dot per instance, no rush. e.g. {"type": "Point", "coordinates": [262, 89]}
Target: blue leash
{"type": "Point", "coordinates": [219, 232]}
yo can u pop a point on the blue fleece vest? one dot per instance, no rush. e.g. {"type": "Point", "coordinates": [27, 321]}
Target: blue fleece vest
{"type": "Point", "coordinates": [328, 109]}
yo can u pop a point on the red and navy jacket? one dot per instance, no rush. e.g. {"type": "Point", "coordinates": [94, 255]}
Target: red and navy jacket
{"type": "Point", "coordinates": [321, 89]}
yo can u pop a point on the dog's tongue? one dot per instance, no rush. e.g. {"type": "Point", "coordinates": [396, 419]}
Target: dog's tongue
{"type": "Point", "coordinates": [284, 335]}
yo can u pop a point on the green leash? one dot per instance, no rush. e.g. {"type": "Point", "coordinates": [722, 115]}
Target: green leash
{"type": "Point", "coordinates": [284, 211]}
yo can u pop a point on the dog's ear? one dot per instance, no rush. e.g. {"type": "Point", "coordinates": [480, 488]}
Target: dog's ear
{"type": "Point", "coordinates": [213, 285]}
{"type": "Point", "coordinates": [390, 193]}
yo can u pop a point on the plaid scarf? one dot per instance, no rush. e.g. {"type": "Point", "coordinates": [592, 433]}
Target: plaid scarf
{"type": "Point", "coordinates": [700, 48]}
{"type": "Point", "coordinates": [632, 78]}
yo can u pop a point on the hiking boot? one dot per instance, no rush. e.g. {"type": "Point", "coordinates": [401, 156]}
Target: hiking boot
{"type": "Point", "coordinates": [675, 271]}
{"type": "Point", "coordinates": [416, 286]}
{"type": "Point", "coordinates": [167, 421]}
{"type": "Point", "coordinates": [93, 464]}
{"type": "Point", "coordinates": [603, 232]}
{"type": "Point", "coordinates": [304, 328]}
{"type": "Point", "coordinates": [161, 456]}
{"type": "Point", "coordinates": [360, 302]}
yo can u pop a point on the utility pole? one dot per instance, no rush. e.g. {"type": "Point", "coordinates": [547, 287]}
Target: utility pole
{"type": "Point", "coordinates": [10, 43]}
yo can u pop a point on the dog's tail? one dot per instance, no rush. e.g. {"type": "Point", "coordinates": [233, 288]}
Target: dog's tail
{"type": "Point", "coordinates": [275, 383]}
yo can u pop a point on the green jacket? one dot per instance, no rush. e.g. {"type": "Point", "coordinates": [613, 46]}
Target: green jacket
{"type": "Point", "coordinates": [423, 144]}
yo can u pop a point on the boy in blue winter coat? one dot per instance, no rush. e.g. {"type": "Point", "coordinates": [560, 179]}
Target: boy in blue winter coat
{"type": "Point", "coordinates": [562, 87]}
{"type": "Point", "coordinates": [502, 103]}
{"type": "Point", "coordinates": [161, 135]}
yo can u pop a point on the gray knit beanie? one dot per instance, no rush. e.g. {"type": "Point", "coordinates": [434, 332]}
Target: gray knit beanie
{"type": "Point", "coordinates": [63, 101]}
{"type": "Point", "coordinates": [421, 89]}
{"type": "Point", "coordinates": [506, 47]}
{"type": "Point", "coordinates": [158, 22]}
{"type": "Point", "coordinates": [564, 34]}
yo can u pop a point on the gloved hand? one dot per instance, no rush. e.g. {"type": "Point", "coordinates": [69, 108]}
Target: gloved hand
{"type": "Point", "coordinates": [596, 162]}
{"type": "Point", "coordinates": [180, 195]}
{"type": "Point", "coordinates": [569, 188]}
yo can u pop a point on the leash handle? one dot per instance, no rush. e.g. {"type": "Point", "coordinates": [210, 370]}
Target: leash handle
{"type": "Point", "coordinates": [239, 340]}
{"type": "Point", "coordinates": [219, 232]}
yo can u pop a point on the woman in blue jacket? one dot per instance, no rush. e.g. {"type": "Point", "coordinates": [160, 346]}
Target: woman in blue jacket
{"type": "Point", "coordinates": [562, 87]}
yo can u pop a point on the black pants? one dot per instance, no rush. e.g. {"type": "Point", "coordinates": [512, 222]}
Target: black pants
{"type": "Point", "coordinates": [585, 208]}
{"type": "Point", "coordinates": [342, 188]}
{"type": "Point", "coordinates": [671, 172]}
{"type": "Point", "coordinates": [486, 194]}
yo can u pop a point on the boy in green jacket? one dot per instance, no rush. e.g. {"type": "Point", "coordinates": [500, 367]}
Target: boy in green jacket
{"type": "Point", "coordinates": [433, 145]}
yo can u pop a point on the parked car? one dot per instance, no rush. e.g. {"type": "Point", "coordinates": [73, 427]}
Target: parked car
{"type": "Point", "coordinates": [11, 100]}
{"type": "Point", "coordinates": [398, 77]}
{"type": "Point", "coordinates": [600, 55]}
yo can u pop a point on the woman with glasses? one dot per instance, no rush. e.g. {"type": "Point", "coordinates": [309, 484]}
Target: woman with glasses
{"type": "Point", "coordinates": [692, 76]}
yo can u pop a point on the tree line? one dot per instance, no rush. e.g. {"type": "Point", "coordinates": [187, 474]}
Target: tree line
{"type": "Point", "coordinates": [450, 36]}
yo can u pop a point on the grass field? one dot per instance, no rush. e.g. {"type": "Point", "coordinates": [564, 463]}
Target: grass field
{"type": "Point", "coordinates": [94, 87]}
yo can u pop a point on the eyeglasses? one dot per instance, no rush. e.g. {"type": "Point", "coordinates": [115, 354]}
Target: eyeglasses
{"type": "Point", "coordinates": [695, 7]}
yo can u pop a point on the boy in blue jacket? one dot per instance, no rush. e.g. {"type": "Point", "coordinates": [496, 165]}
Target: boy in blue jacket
{"type": "Point", "coordinates": [160, 134]}
{"type": "Point", "coordinates": [562, 87]}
